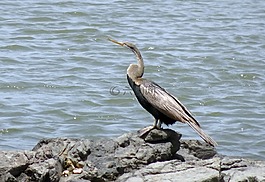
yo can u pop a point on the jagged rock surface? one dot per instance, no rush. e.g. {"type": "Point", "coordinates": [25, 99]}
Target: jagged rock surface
{"type": "Point", "coordinates": [210, 170]}
{"type": "Point", "coordinates": [160, 156]}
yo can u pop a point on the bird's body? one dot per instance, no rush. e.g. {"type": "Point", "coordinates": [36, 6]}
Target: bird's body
{"type": "Point", "coordinates": [150, 87]}
{"type": "Point", "coordinates": [157, 101]}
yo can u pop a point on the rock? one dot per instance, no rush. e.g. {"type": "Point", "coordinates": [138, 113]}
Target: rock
{"type": "Point", "coordinates": [14, 163]}
{"type": "Point", "coordinates": [101, 160]}
{"type": "Point", "coordinates": [171, 171]}
{"type": "Point", "coordinates": [215, 169]}
{"type": "Point", "coordinates": [159, 156]}
{"type": "Point", "coordinates": [193, 149]}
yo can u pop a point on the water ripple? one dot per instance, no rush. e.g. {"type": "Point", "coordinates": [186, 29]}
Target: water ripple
{"type": "Point", "coordinates": [58, 69]}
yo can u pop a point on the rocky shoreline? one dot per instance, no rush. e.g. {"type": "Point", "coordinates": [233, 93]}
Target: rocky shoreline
{"type": "Point", "coordinates": [161, 156]}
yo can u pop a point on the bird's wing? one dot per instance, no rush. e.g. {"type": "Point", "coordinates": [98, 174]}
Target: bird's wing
{"type": "Point", "coordinates": [165, 102]}
{"type": "Point", "coordinates": [171, 107]}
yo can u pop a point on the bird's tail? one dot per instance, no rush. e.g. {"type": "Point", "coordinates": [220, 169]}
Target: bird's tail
{"type": "Point", "coordinates": [202, 134]}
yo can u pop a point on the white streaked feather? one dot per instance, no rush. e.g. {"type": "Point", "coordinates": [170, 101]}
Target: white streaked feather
{"type": "Point", "coordinates": [171, 107]}
{"type": "Point", "coordinates": [164, 102]}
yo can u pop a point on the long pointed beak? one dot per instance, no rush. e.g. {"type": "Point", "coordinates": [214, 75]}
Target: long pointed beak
{"type": "Point", "coordinates": [116, 42]}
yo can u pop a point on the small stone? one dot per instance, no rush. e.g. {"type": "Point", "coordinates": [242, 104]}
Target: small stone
{"type": "Point", "coordinates": [65, 173]}
{"type": "Point", "coordinates": [77, 171]}
{"type": "Point", "coordinates": [80, 164]}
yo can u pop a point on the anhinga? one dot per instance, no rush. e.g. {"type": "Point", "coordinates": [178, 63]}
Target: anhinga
{"type": "Point", "coordinates": [162, 105]}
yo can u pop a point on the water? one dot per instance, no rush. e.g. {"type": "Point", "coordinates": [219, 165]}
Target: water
{"type": "Point", "coordinates": [60, 77]}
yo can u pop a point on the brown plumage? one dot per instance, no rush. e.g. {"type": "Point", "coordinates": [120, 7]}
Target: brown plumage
{"type": "Point", "coordinates": [157, 101]}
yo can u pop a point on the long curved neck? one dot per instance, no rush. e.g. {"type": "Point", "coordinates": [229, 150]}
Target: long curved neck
{"type": "Point", "coordinates": [140, 61]}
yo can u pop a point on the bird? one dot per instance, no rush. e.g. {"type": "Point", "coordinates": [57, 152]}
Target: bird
{"type": "Point", "coordinates": [164, 107]}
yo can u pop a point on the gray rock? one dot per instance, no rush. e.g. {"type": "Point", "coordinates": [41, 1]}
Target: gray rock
{"type": "Point", "coordinates": [159, 156]}
{"type": "Point", "coordinates": [14, 163]}
{"type": "Point", "coordinates": [194, 149]}
{"type": "Point", "coordinates": [215, 169]}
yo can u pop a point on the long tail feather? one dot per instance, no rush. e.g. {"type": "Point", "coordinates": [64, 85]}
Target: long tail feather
{"type": "Point", "coordinates": [202, 134]}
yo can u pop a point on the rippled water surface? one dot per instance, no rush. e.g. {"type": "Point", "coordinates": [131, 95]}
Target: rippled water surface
{"type": "Point", "coordinates": [60, 77]}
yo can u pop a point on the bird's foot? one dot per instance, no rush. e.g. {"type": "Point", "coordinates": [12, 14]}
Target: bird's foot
{"type": "Point", "coordinates": [143, 132]}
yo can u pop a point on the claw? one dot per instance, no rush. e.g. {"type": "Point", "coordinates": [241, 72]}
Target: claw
{"type": "Point", "coordinates": [143, 132]}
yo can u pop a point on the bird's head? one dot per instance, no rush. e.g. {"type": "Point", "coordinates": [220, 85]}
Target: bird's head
{"type": "Point", "coordinates": [124, 44]}
{"type": "Point", "coordinates": [134, 70]}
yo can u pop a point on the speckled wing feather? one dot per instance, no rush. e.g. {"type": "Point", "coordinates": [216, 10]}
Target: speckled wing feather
{"type": "Point", "coordinates": [171, 107]}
